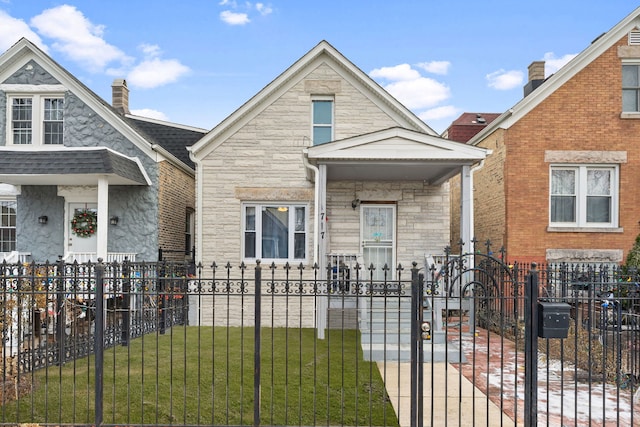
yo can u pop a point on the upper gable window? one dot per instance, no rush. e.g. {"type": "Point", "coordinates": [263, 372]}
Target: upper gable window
{"type": "Point", "coordinates": [322, 120]}
{"type": "Point", "coordinates": [631, 87]}
{"type": "Point", "coordinates": [36, 120]}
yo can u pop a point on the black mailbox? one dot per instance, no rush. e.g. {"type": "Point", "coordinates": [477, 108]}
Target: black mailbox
{"type": "Point", "coordinates": [553, 319]}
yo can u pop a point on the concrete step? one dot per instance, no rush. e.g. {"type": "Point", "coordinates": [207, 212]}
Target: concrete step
{"type": "Point", "coordinates": [402, 353]}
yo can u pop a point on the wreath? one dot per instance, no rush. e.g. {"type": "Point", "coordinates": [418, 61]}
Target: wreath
{"type": "Point", "coordinates": [84, 223]}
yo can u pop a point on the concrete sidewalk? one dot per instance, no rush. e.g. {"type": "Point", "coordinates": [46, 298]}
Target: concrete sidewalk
{"type": "Point", "coordinates": [454, 402]}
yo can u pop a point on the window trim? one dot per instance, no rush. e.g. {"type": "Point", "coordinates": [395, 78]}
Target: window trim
{"type": "Point", "coordinates": [37, 117]}
{"type": "Point", "coordinates": [14, 227]}
{"type": "Point", "coordinates": [332, 126]}
{"type": "Point", "coordinates": [581, 197]}
{"type": "Point", "coordinates": [291, 206]}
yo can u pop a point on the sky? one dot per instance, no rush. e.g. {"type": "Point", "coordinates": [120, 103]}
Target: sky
{"type": "Point", "coordinates": [195, 62]}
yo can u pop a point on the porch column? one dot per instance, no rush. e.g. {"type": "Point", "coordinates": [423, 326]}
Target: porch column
{"type": "Point", "coordinates": [103, 218]}
{"type": "Point", "coordinates": [323, 303]}
{"type": "Point", "coordinates": [322, 220]}
{"type": "Point", "coordinates": [466, 208]}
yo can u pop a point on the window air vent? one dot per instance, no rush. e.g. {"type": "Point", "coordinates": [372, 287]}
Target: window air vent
{"type": "Point", "coordinates": [634, 37]}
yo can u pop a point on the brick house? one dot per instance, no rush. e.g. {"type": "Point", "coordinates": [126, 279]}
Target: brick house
{"type": "Point", "coordinates": [561, 182]}
{"type": "Point", "coordinates": [65, 155]}
{"type": "Point", "coordinates": [324, 167]}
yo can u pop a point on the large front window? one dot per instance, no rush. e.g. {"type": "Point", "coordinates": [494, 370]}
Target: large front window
{"type": "Point", "coordinates": [7, 226]}
{"type": "Point", "coordinates": [36, 119]}
{"type": "Point", "coordinates": [583, 196]}
{"type": "Point", "coordinates": [275, 231]}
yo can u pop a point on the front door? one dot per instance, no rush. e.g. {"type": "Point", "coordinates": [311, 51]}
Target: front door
{"type": "Point", "coordinates": [378, 227]}
{"type": "Point", "coordinates": [81, 244]}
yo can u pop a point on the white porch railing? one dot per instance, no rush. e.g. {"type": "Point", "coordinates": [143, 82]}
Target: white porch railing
{"type": "Point", "coordinates": [82, 257]}
{"type": "Point", "coordinates": [15, 257]}
{"type": "Point", "coordinates": [342, 270]}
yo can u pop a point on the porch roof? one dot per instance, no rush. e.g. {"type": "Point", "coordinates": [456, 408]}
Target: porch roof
{"type": "Point", "coordinates": [394, 154]}
{"type": "Point", "coordinates": [66, 166]}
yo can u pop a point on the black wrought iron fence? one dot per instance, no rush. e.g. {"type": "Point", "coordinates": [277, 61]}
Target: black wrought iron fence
{"type": "Point", "coordinates": [162, 343]}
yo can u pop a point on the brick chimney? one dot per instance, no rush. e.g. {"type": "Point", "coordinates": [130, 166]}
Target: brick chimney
{"type": "Point", "coordinates": [536, 77]}
{"type": "Point", "coordinates": [120, 96]}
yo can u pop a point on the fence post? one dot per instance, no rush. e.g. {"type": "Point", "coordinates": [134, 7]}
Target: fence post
{"type": "Point", "coordinates": [60, 312]}
{"type": "Point", "coordinates": [162, 313]}
{"type": "Point", "coordinates": [531, 348]}
{"type": "Point", "coordinates": [99, 342]}
{"type": "Point", "coordinates": [257, 344]}
{"type": "Point", "coordinates": [416, 348]}
{"type": "Point", "coordinates": [126, 303]}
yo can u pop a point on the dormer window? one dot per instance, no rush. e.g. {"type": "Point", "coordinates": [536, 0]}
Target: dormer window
{"type": "Point", "coordinates": [322, 118]}
{"type": "Point", "coordinates": [36, 120]}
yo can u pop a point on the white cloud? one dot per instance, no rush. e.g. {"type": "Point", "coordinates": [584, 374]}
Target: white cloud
{"type": "Point", "coordinates": [440, 113]}
{"type": "Point", "coordinates": [435, 67]}
{"type": "Point", "coordinates": [152, 114]}
{"type": "Point", "coordinates": [77, 37]}
{"type": "Point", "coordinates": [155, 72]}
{"type": "Point", "coordinates": [410, 88]}
{"type": "Point", "coordinates": [395, 73]}
{"type": "Point", "coordinates": [234, 18]}
{"type": "Point", "coordinates": [150, 50]}
{"type": "Point", "coordinates": [263, 9]}
{"type": "Point", "coordinates": [553, 64]}
{"type": "Point", "coordinates": [12, 30]}
{"type": "Point", "coordinates": [419, 93]}
{"type": "Point", "coordinates": [505, 80]}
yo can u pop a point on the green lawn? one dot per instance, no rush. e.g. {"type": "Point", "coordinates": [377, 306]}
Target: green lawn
{"type": "Point", "coordinates": [205, 375]}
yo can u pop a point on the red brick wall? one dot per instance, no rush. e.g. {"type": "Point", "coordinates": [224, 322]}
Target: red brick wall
{"type": "Point", "coordinates": [584, 114]}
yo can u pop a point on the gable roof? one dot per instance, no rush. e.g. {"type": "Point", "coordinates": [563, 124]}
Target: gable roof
{"type": "Point", "coordinates": [562, 76]}
{"type": "Point", "coordinates": [395, 154]}
{"type": "Point", "coordinates": [24, 51]}
{"type": "Point", "coordinates": [322, 52]}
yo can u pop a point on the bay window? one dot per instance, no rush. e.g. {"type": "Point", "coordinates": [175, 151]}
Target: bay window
{"type": "Point", "coordinates": [584, 196]}
{"type": "Point", "coordinates": [273, 231]}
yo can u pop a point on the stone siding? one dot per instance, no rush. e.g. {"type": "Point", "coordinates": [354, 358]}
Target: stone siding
{"type": "Point", "coordinates": [267, 153]}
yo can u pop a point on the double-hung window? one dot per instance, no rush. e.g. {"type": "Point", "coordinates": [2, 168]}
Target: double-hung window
{"type": "Point", "coordinates": [274, 231]}
{"type": "Point", "coordinates": [631, 87]}
{"type": "Point", "coordinates": [36, 119]}
{"type": "Point", "coordinates": [7, 225]}
{"type": "Point", "coordinates": [322, 118]}
{"type": "Point", "coordinates": [584, 196]}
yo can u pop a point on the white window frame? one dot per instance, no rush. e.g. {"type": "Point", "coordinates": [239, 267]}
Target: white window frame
{"type": "Point", "coordinates": [331, 125]}
{"type": "Point", "coordinates": [259, 206]}
{"type": "Point", "coordinates": [13, 201]}
{"type": "Point", "coordinates": [37, 117]}
{"type": "Point", "coordinates": [581, 195]}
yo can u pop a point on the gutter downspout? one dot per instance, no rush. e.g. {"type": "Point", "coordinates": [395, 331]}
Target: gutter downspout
{"type": "Point", "coordinates": [198, 228]}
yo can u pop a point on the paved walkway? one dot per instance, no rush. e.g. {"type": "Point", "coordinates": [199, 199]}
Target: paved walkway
{"type": "Point", "coordinates": [488, 390]}
{"type": "Point", "coordinates": [454, 401]}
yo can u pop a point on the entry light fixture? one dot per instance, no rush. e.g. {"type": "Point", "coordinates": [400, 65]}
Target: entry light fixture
{"type": "Point", "coordinates": [43, 219]}
{"type": "Point", "coordinates": [114, 220]}
{"type": "Point", "coordinates": [355, 203]}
